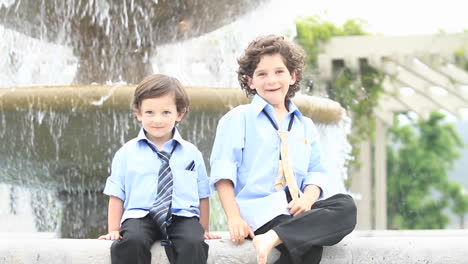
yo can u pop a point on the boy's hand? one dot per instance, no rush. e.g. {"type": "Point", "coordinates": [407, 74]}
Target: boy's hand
{"type": "Point", "coordinates": [300, 205]}
{"type": "Point", "coordinates": [305, 202]}
{"type": "Point", "coordinates": [209, 235]}
{"type": "Point", "coordinates": [112, 235]}
{"type": "Point", "coordinates": [239, 230]}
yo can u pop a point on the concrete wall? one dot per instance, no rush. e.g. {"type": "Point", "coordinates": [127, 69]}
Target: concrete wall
{"type": "Point", "coordinates": [369, 247]}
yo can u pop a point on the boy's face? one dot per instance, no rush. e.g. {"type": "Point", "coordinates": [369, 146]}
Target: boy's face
{"type": "Point", "coordinates": [158, 117]}
{"type": "Point", "coordinates": [271, 79]}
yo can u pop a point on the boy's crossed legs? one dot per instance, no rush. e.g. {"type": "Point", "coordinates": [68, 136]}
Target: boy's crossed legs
{"type": "Point", "coordinates": [300, 239]}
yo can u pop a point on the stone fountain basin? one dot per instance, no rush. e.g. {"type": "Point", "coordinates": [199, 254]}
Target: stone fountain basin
{"type": "Point", "coordinates": [64, 137]}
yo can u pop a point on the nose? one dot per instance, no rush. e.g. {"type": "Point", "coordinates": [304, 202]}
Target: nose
{"type": "Point", "coordinates": [157, 119]}
{"type": "Point", "coordinates": [271, 78]}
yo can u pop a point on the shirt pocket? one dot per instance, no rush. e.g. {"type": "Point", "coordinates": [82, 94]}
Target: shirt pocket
{"type": "Point", "coordinates": [185, 189]}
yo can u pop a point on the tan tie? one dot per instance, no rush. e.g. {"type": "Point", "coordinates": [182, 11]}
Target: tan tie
{"type": "Point", "coordinates": [285, 171]}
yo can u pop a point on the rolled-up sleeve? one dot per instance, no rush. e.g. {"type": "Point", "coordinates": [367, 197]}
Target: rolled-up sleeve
{"type": "Point", "coordinates": [226, 155]}
{"type": "Point", "coordinates": [204, 190]}
{"type": "Point", "coordinates": [116, 181]}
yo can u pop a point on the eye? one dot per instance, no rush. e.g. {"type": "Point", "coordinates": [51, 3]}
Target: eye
{"type": "Point", "coordinates": [261, 74]}
{"type": "Point", "coordinates": [279, 71]}
{"type": "Point", "coordinates": [167, 112]}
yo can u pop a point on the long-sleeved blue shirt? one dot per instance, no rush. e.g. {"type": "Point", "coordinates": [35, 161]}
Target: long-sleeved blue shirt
{"type": "Point", "coordinates": [134, 177]}
{"type": "Point", "coordinates": [246, 151]}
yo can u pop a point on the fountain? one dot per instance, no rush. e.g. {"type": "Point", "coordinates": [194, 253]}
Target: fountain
{"type": "Point", "coordinates": [114, 40]}
{"type": "Point", "coordinates": [57, 141]}
{"type": "Point", "coordinates": [60, 141]}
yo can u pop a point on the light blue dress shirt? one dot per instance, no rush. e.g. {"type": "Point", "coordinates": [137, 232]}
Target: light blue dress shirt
{"type": "Point", "coordinates": [134, 177]}
{"type": "Point", "coordinates": [246, 151]}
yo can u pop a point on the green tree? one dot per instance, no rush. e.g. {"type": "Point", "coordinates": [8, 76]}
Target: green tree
{"type": "Point", "coordinates": [419, 156]}
{"type": "Point", "coordinates": [312, 32]}
{"type": "Point", "coordinates": [460, 202]}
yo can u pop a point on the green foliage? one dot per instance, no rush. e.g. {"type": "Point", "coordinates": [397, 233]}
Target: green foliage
{"type": "Point", "coordinates": [418, 158]}
{"type": "Point", "coordinates": [312, 32]}
{"type": "Point", "coordinates": [357, 92]}
{"type": "Point", "coordinates": [461, 58]}
{"type": "Point", "coordinates": [460, 201]}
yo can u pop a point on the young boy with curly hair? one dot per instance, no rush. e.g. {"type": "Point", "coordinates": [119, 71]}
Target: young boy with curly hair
{"type": "Point", "coordinates": [266, 163]}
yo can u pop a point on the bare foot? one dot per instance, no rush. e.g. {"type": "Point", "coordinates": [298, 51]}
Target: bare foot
{"type": "Point", "coordinates": [264, 243]}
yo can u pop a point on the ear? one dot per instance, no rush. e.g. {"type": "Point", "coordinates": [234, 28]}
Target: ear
{"type": "Point", "coordinates": [249, 82]}
{"type": "Point", "coordinates": [181, 114]}
{"type": "Point", "coordinates": [293, 77]}
{"type": "Point", "coordinates": [137, 113]}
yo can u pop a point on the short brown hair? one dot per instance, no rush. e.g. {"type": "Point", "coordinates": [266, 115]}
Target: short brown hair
{"type": "Point", "coordinates": [158, 85]}
{"type": "Point", "coordinates": [292, 54]}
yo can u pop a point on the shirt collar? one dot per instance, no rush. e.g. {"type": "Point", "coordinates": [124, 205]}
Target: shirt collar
{"type": "Point", "coordinates": [293, 109]}
{"type": "Point", "coordinates": [258, 104]}
{"type": "Point", "coordinates": [176, 138]}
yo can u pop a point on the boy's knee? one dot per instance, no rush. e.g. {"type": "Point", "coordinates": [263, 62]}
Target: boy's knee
{"type": "Point", "coordinates": [194, 240]}
{"type": "Point", "coordinates": [191, 243]}
{"type": "Point", "coordinates": [349, 210]}
{"type": "Point", "coordinates": [346, 202]}
{"type": "Point", "coordinates": [350, 204]}
{"type": "Point", "coordinates": [129, 241]}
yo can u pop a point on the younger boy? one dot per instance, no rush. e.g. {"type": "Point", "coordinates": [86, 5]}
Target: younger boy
{"type": "Point", "coordinates": [266, 163]}
{"type": "Point", "coordinates": [158, 188]}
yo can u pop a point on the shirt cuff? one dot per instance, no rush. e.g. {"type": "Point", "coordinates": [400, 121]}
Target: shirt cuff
{"type": "Point", "coordinates": [204, 190]}
{"type": "Point", "coordinates": [114, 189]}
{"type": "Point", "coordinates": [223, 170]}
{"type": "Point", "coordinates": [318, 179]}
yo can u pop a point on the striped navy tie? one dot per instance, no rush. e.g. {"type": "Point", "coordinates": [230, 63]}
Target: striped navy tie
{"type": "Point", "coordinates": [160, 211]}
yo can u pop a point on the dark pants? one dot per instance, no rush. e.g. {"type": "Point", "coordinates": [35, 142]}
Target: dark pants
{"type": "Point", "coordinates": [139, 234]}
{"type": "Point", "coordinates": [303, 236]}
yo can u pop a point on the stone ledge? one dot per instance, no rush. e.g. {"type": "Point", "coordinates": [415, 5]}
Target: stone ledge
{"type": "Point", "coordinates": [431, 247]}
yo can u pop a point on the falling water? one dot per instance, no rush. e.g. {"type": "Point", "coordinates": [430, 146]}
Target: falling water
{"type": "Point", "coordinates": [211, 60]}
{"type": "Point", "coordinates": [51, 179]}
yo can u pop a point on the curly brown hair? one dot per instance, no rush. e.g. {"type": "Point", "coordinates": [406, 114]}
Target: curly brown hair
{"type": "Point", "coordinates": [293, 56]}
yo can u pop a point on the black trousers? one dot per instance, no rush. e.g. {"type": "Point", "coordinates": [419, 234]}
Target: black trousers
{"type": "Point", "coordinates": [303, 236]}
{"type": "Point", "coordinates": [139, 234]}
